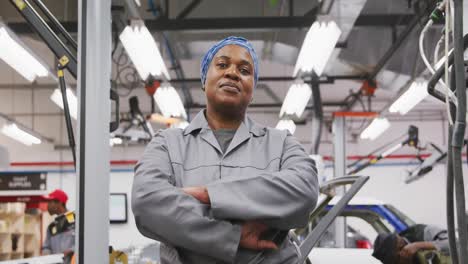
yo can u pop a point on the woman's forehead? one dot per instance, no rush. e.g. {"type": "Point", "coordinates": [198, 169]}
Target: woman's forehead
{"type": "Point", "coordinates": [234, 52]}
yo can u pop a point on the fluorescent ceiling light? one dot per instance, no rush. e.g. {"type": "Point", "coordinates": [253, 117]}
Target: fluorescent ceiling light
{"type": "Point", "coordinates": [14, 53]}
{"type": "Point", "coordinates": [409, 99]}
{"type": "Point", "coordinates": [296, 100]}
{"type": "Point", "coordinates": [285, 124]}
{"type": "Point", "coordinates": [56, 97]}
{"type": "Point", "coordinates": [375, 129]}
{"type": "Point", "coordinates": [14, 132]}
{"type": "Point", "coordinates": [169, 102]}
{"type": "Point", "coordinates": [143, 51]}
{"type": "Point", "coordinates": [317, 47]}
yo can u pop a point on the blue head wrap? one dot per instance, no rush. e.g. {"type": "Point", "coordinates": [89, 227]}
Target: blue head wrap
{"type": "Point", "coordinates": [239, 41]}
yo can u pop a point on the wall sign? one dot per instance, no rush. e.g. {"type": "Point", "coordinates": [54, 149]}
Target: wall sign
{"type": "Point", "coordinates": [23, 181]}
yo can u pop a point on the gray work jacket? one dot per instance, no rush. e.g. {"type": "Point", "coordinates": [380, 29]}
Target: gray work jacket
{"type": "Point", "coordinates": [264, 175]}
{"type": "Point", "coordinates": [59, 242]}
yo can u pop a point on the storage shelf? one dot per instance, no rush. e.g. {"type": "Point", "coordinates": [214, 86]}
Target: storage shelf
{"type": "Point", "coordinates": [25, 228]}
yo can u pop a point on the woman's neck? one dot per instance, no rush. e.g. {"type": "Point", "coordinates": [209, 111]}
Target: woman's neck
{"type": "Point", "coordinates": [219, 121]}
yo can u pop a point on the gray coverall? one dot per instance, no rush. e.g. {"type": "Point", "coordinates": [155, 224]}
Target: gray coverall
{"type": "Point", "coordinates": [264, 175]}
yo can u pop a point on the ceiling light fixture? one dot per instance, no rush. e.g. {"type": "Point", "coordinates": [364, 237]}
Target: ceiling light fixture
{"type": "Point", "coordinates": [296, 100]}
{"type": "Point", "coordinates": [410, 98]}
{"type": "Point", "coordinates": [13, 131]}
{"type": "Point", "coordinates": [143, 51]}
{"type": "Point", "coordinates": [169, 102]}
{"type": "Point", "coordinates": [317, 47]}
{"type": "Point", "coordinates": [375, 129]}
{"type": "Point", "coordinates": [15, 53]}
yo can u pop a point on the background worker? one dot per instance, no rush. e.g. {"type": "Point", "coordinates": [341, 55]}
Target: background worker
{"type": "Point", "coordinates": [60, 236]}
{"type": "Point", "coordinates": [402, 248]}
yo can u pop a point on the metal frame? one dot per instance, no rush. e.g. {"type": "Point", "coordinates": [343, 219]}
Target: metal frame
{"type": "Point", "coordinates": [93, 167]}
{"type": "Point", "coordinates": [339, 166]}
{"type": "Point", "coordinates": [164, 24]}
{"type": "Point", "coordinates": [46, 33]}
{"type": "Point", "coordinates": [126, 209]}
{"type": "Point", "coordinates": [312, 239]}
{"type": "Point", "coordinates": [323, 80]}
{"type": "Point", "coordinates": [189, 8]}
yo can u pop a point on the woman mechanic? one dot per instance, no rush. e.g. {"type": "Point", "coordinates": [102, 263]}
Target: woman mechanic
{"type": "Point", "coordinates": [219, 190]}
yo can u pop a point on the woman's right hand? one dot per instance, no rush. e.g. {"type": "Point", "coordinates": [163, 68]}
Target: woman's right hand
{"type": "Point", "coordinates": [250, 237]}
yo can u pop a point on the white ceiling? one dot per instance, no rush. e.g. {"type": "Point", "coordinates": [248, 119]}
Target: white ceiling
{"type": "Point", "coordinates": [278, 49]}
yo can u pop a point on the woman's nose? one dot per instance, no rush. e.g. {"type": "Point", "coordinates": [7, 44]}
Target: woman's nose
{"type": "Point", "coordinates": [232, 73]}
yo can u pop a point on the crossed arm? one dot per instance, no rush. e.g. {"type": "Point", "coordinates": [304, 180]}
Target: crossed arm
{"type": "Point", "coordinates": [180, 216]}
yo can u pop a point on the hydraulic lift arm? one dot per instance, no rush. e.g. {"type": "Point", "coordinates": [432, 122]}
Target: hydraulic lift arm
{"type": "Point", "coordinates": [66, 56]}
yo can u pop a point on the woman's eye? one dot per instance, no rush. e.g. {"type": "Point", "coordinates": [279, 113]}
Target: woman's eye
{"type": "Point", "coordinates": [245, 71]}
{"type": "Point", "coordinates": [222, 65]}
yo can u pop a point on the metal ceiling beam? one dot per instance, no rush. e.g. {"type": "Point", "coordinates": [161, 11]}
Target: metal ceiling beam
{"type": "Point", "coordinates": [164, 24]}
{"type": "Point", "coordinates": [276, 105]}
{"type": "Point", "coordinates": [325, 79]}
{"type": "Point", "coordinates": [189, 8]}
{"type": "Point", "coordinates": [229, 23]}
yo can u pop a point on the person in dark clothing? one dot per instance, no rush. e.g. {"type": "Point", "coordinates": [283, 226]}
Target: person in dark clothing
{"type": "Point", "coordinates": [402, 248]}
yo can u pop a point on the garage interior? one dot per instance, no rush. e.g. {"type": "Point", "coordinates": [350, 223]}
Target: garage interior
{"type": "Point", "coordinates": [375, 60]}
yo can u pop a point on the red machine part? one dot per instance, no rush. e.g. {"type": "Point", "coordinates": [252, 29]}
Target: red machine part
{"type": "Point", "coordinates": [151, 86]}
{"type": "Point", "coordinates": [368, 88]}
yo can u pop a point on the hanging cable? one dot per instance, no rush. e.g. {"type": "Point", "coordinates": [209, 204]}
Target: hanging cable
{"type": "Point", "coordinates": [459, 130]}
{"type": "Point", "coordinates": [449, 199]}
{"type": "Point", "coordinates": [437, 47]}
{"type": "Point", "coordinates": [437, 15]}
{"type": "Point", "coordinates": [446, 54]}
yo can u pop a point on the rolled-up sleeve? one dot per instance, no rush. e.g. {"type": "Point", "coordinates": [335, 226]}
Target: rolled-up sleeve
{"type": "Point", "coordinates": [165, 213]}
{"type": "Point", "coordinates": [282, 199]}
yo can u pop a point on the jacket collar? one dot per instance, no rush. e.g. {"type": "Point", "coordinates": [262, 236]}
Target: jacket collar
{"type": "Point", "coordinates": [199, 123]}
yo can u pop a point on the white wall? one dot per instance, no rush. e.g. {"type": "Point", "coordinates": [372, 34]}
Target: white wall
{"type": "Point", "coordinates": [125, 235]}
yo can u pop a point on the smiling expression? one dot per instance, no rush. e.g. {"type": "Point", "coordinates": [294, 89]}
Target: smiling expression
{"type": "Point", "coordinates": [230, 80]}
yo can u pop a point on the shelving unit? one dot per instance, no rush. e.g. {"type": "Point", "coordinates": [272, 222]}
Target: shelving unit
{"type": "Point", "coordinates": [20, 233]}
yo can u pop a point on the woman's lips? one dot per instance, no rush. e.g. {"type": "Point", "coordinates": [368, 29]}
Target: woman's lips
{"type": "Point", "coordinates": [230, 89]}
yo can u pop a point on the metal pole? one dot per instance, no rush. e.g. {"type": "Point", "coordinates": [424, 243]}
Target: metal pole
{"type": "Point", "coordinates": [339, 152]}
{"type": "Point", "coordinates": [94, 53]}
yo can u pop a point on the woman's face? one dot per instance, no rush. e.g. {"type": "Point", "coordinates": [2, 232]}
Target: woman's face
{"type": "Point", "coordinates": [230, 80]}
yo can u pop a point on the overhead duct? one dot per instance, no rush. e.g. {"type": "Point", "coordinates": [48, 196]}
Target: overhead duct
{"type": "Point", "coordinates": [345, 14]}
{"type": "Point", "coordinates": [377, 40]}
